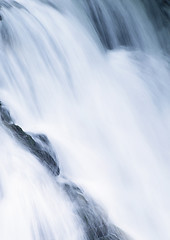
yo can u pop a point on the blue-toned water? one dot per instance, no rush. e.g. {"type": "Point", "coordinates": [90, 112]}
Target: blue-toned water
{"type": "Point", "coordinates": [94, 76]}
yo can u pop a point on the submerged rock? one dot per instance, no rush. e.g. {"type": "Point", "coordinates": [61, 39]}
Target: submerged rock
{"type": "Point", "coordinates": [95, 222]}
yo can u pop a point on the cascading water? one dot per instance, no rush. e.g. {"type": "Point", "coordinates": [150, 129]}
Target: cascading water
{"type": "Point", "coordinates": [93, 76]}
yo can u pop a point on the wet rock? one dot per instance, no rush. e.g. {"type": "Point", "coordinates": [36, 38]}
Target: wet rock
{"type": "Point", "coordinates": [41, 149]}
{"type": "Point", "coordinates": [5, 115]}
{"type": "Point", "coordinates": [95, 223]}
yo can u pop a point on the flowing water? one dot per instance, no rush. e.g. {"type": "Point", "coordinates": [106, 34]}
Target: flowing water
{"type": "Point", "coordinates": [94, 76]}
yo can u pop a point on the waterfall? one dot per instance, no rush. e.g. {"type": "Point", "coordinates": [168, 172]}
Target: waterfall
{"type": "Point", "coordinates": [84, 119]}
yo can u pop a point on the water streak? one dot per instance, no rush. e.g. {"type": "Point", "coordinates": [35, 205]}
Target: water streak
{"type": "Point", "coordinates": [93, 76]}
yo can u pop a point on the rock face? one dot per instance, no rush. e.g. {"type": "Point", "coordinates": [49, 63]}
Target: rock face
{"type": "Point", "coordinates": [95, 223]}
{"type": "Point", "coordinates": [38, 144]}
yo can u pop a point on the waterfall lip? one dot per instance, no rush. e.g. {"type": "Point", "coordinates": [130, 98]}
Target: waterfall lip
{"type": "Point", "coordinates": [41, 148]}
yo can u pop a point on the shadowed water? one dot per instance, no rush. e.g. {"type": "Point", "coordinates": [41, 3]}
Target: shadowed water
{"type": "Point", "coordinates": [84, 91]}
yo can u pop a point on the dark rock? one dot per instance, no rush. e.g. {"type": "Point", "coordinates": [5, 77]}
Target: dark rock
{"type": "Point", "coordinates": [43, 138]}
{"type": "Point", "coordinates": [0, 18]}
{"type": "Point", "coordinates": [96, 224]}
{"type": "Point", "coordinates": [94, 221]}
{"type": "Point", "coordinates": [5, 115]}
{"type": "Point", "coordinates": [42, 150]}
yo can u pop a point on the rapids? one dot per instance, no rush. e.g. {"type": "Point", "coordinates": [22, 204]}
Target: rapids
{"type": "Point", "coordinates": [94, 77]}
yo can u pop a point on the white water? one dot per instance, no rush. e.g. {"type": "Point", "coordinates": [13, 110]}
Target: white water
{"type": "Point", "coordinates": [106, 114]}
